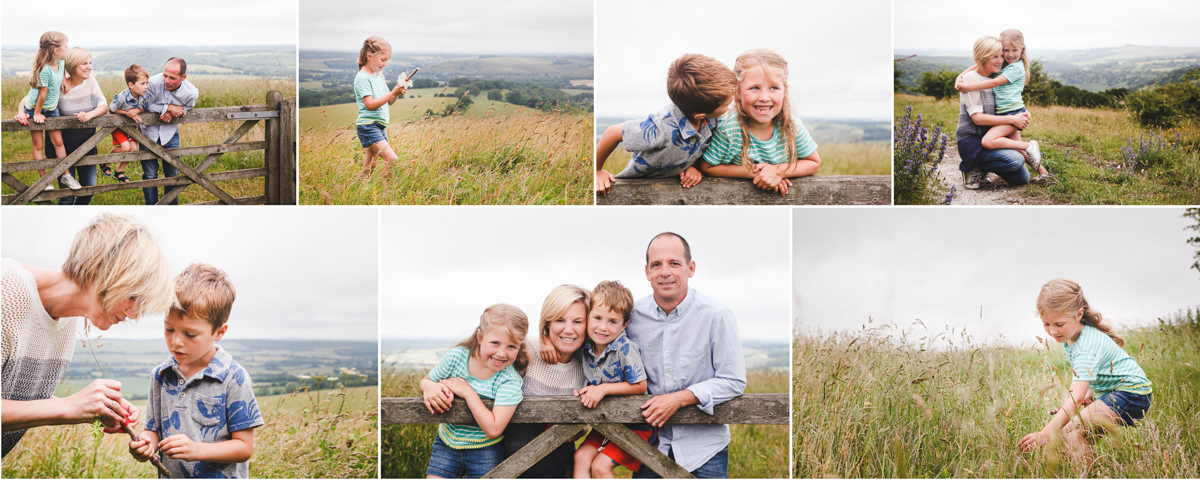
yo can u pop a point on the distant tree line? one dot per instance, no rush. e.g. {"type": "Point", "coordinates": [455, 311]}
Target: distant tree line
{"type": "Point", "coordinates": [537, 95]}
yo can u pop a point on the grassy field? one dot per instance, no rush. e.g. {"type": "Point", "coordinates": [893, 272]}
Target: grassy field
{"type": "Point", "coordinates": [305, 436]}
{"type": "Point", "coordinates": [884, 403]}
{"type": "Point", "coordinates": [501, 156]}
{"type": "Point", "coordinates": [754, 452]}
{"type": "Point", "coordinates": [214, 92]}
{"type": "Point", "coordinates": [1083, 148]}
{"type": "Point", "coordinates": [411, 107]}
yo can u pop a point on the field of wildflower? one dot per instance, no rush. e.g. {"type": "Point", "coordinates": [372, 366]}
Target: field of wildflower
{"type": "Point", "coordinates": [916, 157]}
{"type": "Point", "coordinates": [1097, 156]}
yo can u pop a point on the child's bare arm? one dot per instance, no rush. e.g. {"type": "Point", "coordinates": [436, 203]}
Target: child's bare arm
{"type": "Point", "coordinates": [438, 397]}
{"type": "Point", "coordinates": [238, 449]}
{"type": "Point", "coordinates": [1078, 397]}
{"type": "Point", "coordinates": [396, 93]}
{"type": "Point", "coordinates": [591, 395]}
{"type": "Point", "coordinates": [803, 167]}
{"type": "Point", "coordinates": [989, 83]}
{"type": "Point", "coordinates": [726, 170]}
{"type": "Point", "coordinates": [959, 79]}
{"type": "Point", "coordinates": [37, 109]}
{"type": "Point", "coordinates": [492, 422]}
{"type": "Point", "coordinates": [604, 148]}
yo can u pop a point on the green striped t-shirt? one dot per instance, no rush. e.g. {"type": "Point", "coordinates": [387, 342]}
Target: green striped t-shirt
{"type": "Point", "coordinates": [726, 146]}
{"type": "Point", "coordinates": [504, 387]}
{"type": "Point", "coordinates": [1096, 358]}
{"type": "Point", "coordinates": [1008, 96]}
{"type": "Point", "coordinates": [374, 85]}
{"type": "Point", "coordinates": [51, 79]}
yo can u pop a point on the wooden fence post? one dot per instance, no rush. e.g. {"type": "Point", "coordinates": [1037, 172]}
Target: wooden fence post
{"type": "Point", "coordinates": [287, 153]}
{"type": "Point", "coordinates": [271, 155]}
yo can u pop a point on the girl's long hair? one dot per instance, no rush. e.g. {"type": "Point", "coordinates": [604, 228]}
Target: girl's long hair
{"type": "Point", "coordinates": [373, 44]}
{"type": "Point", "coordinates": [765, 59]}
{"type": "Point", "coordinates": [513, 321]}
{"type": "Point", "coordinates": [1015, 37]}
{"type": "Point", "coordinates": [1065, 296]}
{"type": "Point", "coordinates": [45, 54]}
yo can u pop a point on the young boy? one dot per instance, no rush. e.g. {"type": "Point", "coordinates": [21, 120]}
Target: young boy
{"type": "Point", "coordinates": [129, 102]}
{"type": "Point", "coordinates": [201, 412]}
{"type": "Point", "coordinates": [667, 143]}
{"type": "Point", "coordinates": [613, 366]}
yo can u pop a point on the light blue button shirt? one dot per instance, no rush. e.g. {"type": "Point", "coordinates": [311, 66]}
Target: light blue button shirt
{"type": "Point", "coordinates": [158, 98]}
{"type": "Point", "coordinates": [696, 347]}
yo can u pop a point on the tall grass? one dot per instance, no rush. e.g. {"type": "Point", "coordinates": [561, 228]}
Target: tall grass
{"type": "Point", "coordinates": [1094, 170]}
{"type": "Point", "coordinates": [754, 452]}
{"type": "Point", "coordinates": [523, 158]}
{"type": "Point", "coordinates": [214, 92]}
{"type": "Point", "coordinates": [934, 403]}
{"type": "Point", "coordinates": [334, 437]}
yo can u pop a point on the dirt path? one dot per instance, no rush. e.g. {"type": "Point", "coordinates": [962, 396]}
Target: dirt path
{"type": "Point", "coordinates": [993, 190]}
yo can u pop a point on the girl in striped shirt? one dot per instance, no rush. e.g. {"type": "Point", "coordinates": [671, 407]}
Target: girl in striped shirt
{"type": "Point", "coordinates": [1101, 369]}
{"type": "Point", "coordinates": [45, 83]}
{"type": "Point", "coordinates": [761, 139]}
{"type": "Point", "coordinates": [488, 364]}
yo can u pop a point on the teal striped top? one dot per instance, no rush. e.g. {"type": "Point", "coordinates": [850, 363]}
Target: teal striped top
{"type": "Point", "coordinates": [52, 80]}
{"type": "Point", "coordinates": [504, 387]}
{"type": "Point", "coordinates": [374, 86]}
{"type": "Point", "coordinates": [726, 146]}
{"type": "Point", "coordinates": [1008, 96]}
{"type": "Point", "coordinates": [1096, 358]}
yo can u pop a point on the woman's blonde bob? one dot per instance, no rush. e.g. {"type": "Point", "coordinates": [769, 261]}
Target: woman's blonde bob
{"type": "Point", "coordinates": [117, 258]}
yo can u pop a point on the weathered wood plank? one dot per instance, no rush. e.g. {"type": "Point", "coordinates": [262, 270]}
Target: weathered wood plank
{"type": "Point", "coordinates": [545, 443]}
{"type": "Point", "coordinates": [138, 184]}
{"type": "Point", "coordinates": [255, 200]}
{"type": "Point", "coordinates": [814, 190]}
{"type": "Point", "coordinates": [196, 115]}
{"type": "Point", "coordinates": [183, 168]}
{"type": "Point", "coordinates": [271, 181]}
{"type": "Point", "coordinates": [38, 186]}
{"type": "Point", "coordinates": [23, 166]}
{"type": "Point", "coordinates": [173, 193]}
{"type": "Point", "coordinates": [634, 445]}
{"type": "Point", "coordinates": [753, 408]}
{"type": "Point", "coordinates": [287, 152]}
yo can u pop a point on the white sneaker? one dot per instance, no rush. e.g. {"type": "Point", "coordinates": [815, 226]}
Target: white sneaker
{"type": "Point", "coordinates": [69, 181]}
{"type": "Point", "coordinates": [973, 178]}
{"type": "Point", "coordinates": [1035, 155]}
{"type": "Point", "coordinates": [49, 187]}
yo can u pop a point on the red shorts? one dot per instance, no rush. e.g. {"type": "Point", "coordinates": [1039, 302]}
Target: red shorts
{"type": "Point", "coordinates": [119, 137]}
{"type": "Point", "coordinates": [603, 445]}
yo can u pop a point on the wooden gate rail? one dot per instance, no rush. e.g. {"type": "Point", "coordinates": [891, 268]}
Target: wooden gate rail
{"type": "Point", "coordinates": [279, 170]}
{"type": "Point", "coordinates": [814, 190]}
{"type": "Point", "coordinates": [571, 417]}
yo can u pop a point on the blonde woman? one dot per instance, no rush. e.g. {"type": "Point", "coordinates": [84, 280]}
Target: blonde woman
{"type": "Point", "coordinates": [115, 270]}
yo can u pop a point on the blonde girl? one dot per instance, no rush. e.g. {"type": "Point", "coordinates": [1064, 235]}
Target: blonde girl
{"type": "Point", "coordinates": [1101, 368]}
{"type": "Point", "coordinates": [373, 97]}
{"type": "Point", "coordinates": [488, 364]}
{"type": "Point", "coordinates": [45, 83]}
{"type": "Point", "coordinates": [1008, 87]}
{"type": "Point", "coordinates": [761, 139]}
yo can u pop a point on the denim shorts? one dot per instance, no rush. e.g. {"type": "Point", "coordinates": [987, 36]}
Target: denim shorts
{"type": "Point", "coordinates": [449, 462]}
{"type": "Point", "coordinates": [1130, 406]}
{"type": "Point", "coordinates": [1014, 112]}
{"type": "Point", "coordinates": [371, 134]}
{"type": "Point", "coordinates": [45, 113]}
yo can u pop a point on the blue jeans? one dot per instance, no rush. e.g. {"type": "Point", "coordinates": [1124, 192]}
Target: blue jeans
{"type": "Point", "coordinates": [715, 467]}
{"type": "Point", "coordinates": [1009, 164]}
{"type": "Point", "coordinates": [150, 172]}
{"type": "Point", "coordinates": [85, 174]}
{"type": "Point", "coordinates": [449, 462]}
{"type": "Point", "coordinates": [1130, 406]}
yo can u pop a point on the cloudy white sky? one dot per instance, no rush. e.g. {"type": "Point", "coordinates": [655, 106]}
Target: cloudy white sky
{"type": "Point", "coordinates": [941, 265]}
{"type": "Point", "coordinates": [93, 24]}
{"type": "Point", "coordinates": [839, 52]}
{"type": "Point", "coordinates": [441, 267]}
{"type": "Point", "coordinates": [452, 26]}
{"type": "Point", "coordinates": [954, 25]}
{"type": "Point", "coordinates": [300, 273]}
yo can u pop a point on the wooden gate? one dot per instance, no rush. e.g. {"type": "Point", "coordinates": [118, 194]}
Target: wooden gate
{"type": "Point", "coordinates": [571, 417]}
{"type": "Point", "coordinates": [278, 170]}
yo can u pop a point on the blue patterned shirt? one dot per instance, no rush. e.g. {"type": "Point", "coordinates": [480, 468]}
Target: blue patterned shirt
{"type": "Point", "coordinates": [124, 100]}
{"type": "Point", "coordinates": [664, 144]}
{"type": "Point", "coordinates": [621, 361]}
{"type": "Point", "coordinates": [207, 408]}
{"type": "Point", "coordinates": [696, 347]}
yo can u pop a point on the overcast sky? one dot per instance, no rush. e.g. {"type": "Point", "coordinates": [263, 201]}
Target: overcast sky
{"type": "Point", "coordinates": [451, 26]}
{"type": "Point", "coordinates": [441, 267]}
{"type": "Point", "coordinates": [954, 25]}
{"type": "Point", "coordinates": [838, 52]}
{"type": "Point", "coordinates": [93, 24]}
{"type": "Point", "coordinates": [300, 273]}
{"type": "Point", "coordinates": [941, 265]}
